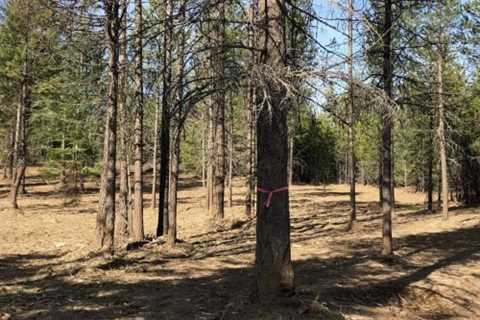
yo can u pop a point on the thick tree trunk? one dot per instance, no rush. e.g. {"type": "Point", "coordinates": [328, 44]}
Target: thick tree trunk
{"type": "Point", "coordinates": [106, 207]}
{"type": "Point", "coordinates": [273, 264]}
{"type": "Point", "coordinates": [137, 214]}
{"type": "Point", "coordinates": [162, 223]}
{"type": "Point", "coordinates": [351, 150]}
{"type": "Point", "coordinates": [219, 105]}
{"type": "Point", "coordinates": [442, 148]}
{"type": "Point", "coordinates": [387, 196]}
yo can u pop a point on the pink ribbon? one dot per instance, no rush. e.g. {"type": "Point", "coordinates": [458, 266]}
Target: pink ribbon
{"type": "Point", "coordinates": [270, 193]}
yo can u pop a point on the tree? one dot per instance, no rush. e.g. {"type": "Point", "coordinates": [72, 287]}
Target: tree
{"type": "Point", "coordinates": [162, 223]}
{"type": "Point", "coordinates": [273, 266]}
{"type": "Point", "coordinates": [178, 116]}
{"type": "Point", "coordinates": [137, 215]}
{"type": "Point", "coordinates": [124, 225]}
{"type": "Point", "coordinates": [351, 149]}
{"type": "Point", "coordinates": [250, 109]}
{"type": "Point", "coordinates": [106, 203]}
{"type": "Point", "coordinates": [386, 181]}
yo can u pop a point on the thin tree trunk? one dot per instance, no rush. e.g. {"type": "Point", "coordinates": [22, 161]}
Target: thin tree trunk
{"type": "Point", "coordinates": [124, 194]}
{"type": "Point", "coordinates": [211, 158]}
{"type": "Point", "coordinates": [106, 206]}
{"type": "Point", "coordinates": [11, 152]}
{"type": "Point", "coordinates": [441, 131]}
{"type": "Point", "coordinates": [250, 112]}
{"type": "Point", "coordinates": [179, 116]}
{"type": "Point", "coordinates": [155, 156]}
{"type": "Point", "coordinates": [273, 266]}
{"type": "Point", "coordinates": [162, 223]}
{"type": "Point", "coordinates": [351, 150]}
{"type": "Point", "coordinates": [387, 197]}
{"type": "Point", "coordinates": [137, 215]}
{"type": "Point", "coordinates": [204, 182]}
{"type": "Point", "coordinates": [18, 156]}
{"type": "Point", "coordinates": [20, 149]}
{"type": "Point", "coordinates": [230, 159]}
{"type": "Point", "coordinates": [430, 169]}
{"type": "Point", "coordinates": [172, 189]}
{"type": "Point", "coordinates": [219, 105]}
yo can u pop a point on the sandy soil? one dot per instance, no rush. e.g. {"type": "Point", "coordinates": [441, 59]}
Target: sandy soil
{"type": "Point", "coordinates": [49, 271]}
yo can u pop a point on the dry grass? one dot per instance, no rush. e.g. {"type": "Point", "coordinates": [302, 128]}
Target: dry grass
{"type": "Point", "coordinates": [47, 270]}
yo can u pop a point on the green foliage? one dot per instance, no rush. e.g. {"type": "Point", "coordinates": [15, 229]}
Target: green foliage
{"type": "Point", "coordinates": [315, 150]}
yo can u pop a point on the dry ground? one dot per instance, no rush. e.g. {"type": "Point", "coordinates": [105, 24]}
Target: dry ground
{"type": "Point", "coordinates": [48, 270]}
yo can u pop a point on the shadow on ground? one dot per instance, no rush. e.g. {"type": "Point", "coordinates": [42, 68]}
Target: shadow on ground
{"type": "Point", "coordinates": [351, 283]}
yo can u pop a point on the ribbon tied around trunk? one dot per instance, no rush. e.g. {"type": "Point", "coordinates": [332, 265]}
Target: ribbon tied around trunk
{"type": "Point", "coordinates": [270, 193]}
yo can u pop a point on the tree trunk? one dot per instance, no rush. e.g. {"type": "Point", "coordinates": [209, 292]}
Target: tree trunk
{"type": "Point", "coordinates": [19, 171]}
{"type": "Point", "coordinates": [20, 149]}
{"type": "Point", "coordinates": [106, 208]}
{"type": "Point", "coordinates": [273, 266]}
{"type": "Point", "coordinates": [442, 148]}
{"type": "Point", "coordinates": [124, 194]}
{"type": "Point", "coordinates": [10, 154]}
{"type": "Point", "coordinates": [162, 223]}
{"type": "Point", "coordinates": [137, 214]}
{"type": "Point", "coordinates": [250, 112]}
{"type": "Point", "coordinates": [230, 159]}
{"type": "Point", "coordinates": [219, 105]}
{"type": "Point", "coordinates": [211, 158]}
{"type": "Point", "coordinates": [351, 150]}
{"type": "Point", "coordinates": [155, 156]}
{"type": "Point", "coordinates": [175, 143]}
{"type": "Point", "coordinates": [172, 190]}
{"type": "Point", "coordinates": [387, 197]}
{"type": "Point", "coordinates": [204, 182]}
{"type": "Point", "coordinates": [430, 169]}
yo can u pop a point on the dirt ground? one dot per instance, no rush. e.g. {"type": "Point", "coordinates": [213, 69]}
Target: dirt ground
{"type": "Point", "coordinates": [48, 269]}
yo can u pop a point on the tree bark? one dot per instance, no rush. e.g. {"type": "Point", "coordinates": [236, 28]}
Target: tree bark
{"type": "Point", "coordinates": [20, 149]}
{"type": "Point", "coordinates": [162, 223]}
{"type": "Point", "coordinates": [178, 117]}
{"type": "Point", "coordinates": [230, 159]}
{"type": "Point", "coordinates": [387, 197]}
{"type": "Point", "coordinates": [172, 190]}
{"type": "Point", "coordinates": [351, 150]}
{"type": "Point", "coordinates": [218, 60]}
{"type": "Point", "coordinates": [124, 194]}
{"type": "Point", "coordinates": [137, 214]}
{"type": "Point", "coordinates": [106, 206]}
{"type": "Point", "coordinates": [211, 158]}
{"type": "Point", "coordinates": [442, 148]}
{"type": "Point", "coordinates": [250, 112]}
{"type": "Point", "coordinates": [10, 154]}
{"type": "Point", "coordinates": [430, 168]}
{"type": "Point", "coordinates": [155, 156]}
{"type": "Point", "coordinates": [273, 266]}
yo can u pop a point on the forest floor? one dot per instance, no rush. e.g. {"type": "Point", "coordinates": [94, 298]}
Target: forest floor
{"type": "Point", "coordinates": [48, 269]}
